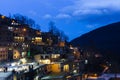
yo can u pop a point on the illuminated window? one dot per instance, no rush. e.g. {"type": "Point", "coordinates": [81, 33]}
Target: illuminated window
{"type": "Point", "coordinates": [38, 32]}
{"type": "Point", "coordinates": [33, 38]}
{"type": "Point", "coordinates": [55, 55]}
{"type": "Point", "coordinates": [24, 29]}
{"type": "Point", "coordinates": [46, 61]}
{"type": "Point", "coordinates": [73, 66]}
{"type": "Point", "coordinates": [2, 17]}
{"type": "Point", "coordinates": [19, 39]}
{"type": "Point", "coordinates": [38, 39]}
{"type": "Point", "coordinates": [16, 28]}
{"type": "Point", "coordinates": [75, 71]}
{"type": "Point", "coordinates": [66, 67]}
{"type": "Point", "coordinates": [10, 28]}
{"type": "Point", "coordinates": [62, 44]}
{"type": "Point", "coordinates": [14, 23]}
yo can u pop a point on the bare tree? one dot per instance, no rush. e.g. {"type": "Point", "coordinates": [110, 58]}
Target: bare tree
{"type": "Point", "coordinates": [52, 27]}
{"type": "Point", "coordinates": [37, 26]}
{"type": "Point", "coordinates": [63, 36]}
{"type": "Point", "coordinates": [54, 30]}
{"type": "Point", "coordinates": [20, 18]}
{"type": "Point", "coordinates": [25, 20]}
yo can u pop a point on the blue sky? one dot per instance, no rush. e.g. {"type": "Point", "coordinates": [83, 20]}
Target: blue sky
{"type": "Point", "coordinates": [74, 17]}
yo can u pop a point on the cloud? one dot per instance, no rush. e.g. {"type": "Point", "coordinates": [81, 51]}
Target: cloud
{"type": "Point", "coordinates": [91, 26]}
{"type": "Point", "coordinates": [88, 12]}
{"type": "Point", "coordinates": [94, 11]}
{"type": "Point", "coordinates": [57, 16]}
{"type": "Point", "coordinates": [62, 16]}
{"type": "Point", "coordinates": [47, 16]}
{"type": "Point", "coordinates": [85, 7]}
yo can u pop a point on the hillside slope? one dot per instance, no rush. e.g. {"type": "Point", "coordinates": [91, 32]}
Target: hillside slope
{"type": "Point", "coordinates": [105, 40]}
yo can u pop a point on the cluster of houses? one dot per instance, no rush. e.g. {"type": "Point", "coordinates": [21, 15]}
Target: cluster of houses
{"type": "Point", "coordinates": [22, 45]}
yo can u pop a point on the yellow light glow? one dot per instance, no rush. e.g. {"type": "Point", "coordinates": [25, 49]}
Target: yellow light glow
{"type": "Point", "coordinates": [2, 17]}
{"type": "Point", "coordinates": [66, 67]}
{"type": "Point", "coordinates": [23, 60]}
{"type": "Point", "coordinates": [38, 33]}
{"type": "Point", "coordinates": [56, 67]}
{"type": "Point", "coordinates": [47, 61]}
{"type": "Point", "coordinates": [19, 38]}
{"type": "Point", "coordinates": [38, 39]}
{"type": "Point", "coordinates": [92, 77]}
{"type": "Point", "coordinates": [13, 21]}
{"type": "Point", "coordinates": [24, 29]}
{"type": "Point", "coordinates": [75, 71]}
{"type": "Point", "coordinates": [16, 54]}
{"type": "Point", "coordinates": [95, 75]}
{"type": "Point", "coordinates": [62, 44]}
{"type": "Point", "coordinates": [55, 55]}
{"type": "Point", "coordinates": [68, 77]}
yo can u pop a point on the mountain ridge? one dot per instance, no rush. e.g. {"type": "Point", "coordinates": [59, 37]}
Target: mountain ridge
{"type": "Point", "coordinates": [105, 40]}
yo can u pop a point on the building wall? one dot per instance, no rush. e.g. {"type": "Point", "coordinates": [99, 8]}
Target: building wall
{"type": "Point", "coordinates": [55, 68]}
{"type": "Point", "coordinates": [37, 57]}
{"type": "Point", "coordinates": [16, 54]}
{"type": "Point", "coordinates": [49, 68]}
{"type": "Point", "coordinates": [3, 53]}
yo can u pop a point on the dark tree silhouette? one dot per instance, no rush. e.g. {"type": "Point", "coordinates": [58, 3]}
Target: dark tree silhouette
{"type": "Point", "coordinates": [25, 20]}
{"type": "Point", "coordinates": [55, 31]}
{"type": "Point", "coordinates": [63, 36]}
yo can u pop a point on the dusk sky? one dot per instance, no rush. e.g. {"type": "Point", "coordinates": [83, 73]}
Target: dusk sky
{"type": "Point", "coordinates": [74, 17]}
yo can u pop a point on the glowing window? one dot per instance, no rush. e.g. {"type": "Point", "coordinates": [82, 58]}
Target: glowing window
{"type": "Point", "coordinates": [38, 39]}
